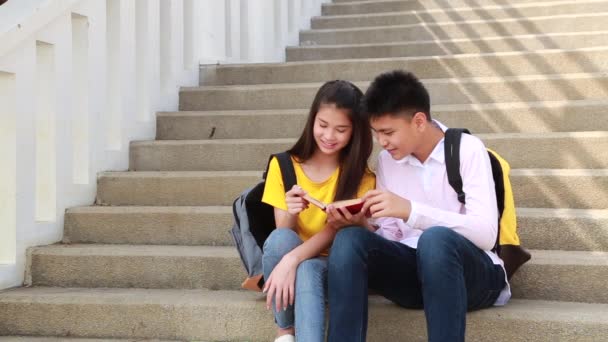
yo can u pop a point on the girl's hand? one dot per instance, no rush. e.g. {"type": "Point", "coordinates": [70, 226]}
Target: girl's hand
{"type": "Point", "coordinates": [295, 200]}
{"type": "Point", "coordinates": [340, 217]}
{"type": "Point", "coordinates": [280, 286]}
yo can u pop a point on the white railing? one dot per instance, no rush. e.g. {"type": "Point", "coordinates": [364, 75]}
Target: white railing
{"type": "Point", "coordinates": [80, 79]}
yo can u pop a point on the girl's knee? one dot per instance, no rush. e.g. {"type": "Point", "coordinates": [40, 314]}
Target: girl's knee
{"type": "Point", "coordinates": [281, 241]}
{"type": "Point", "coordinates": [311, 275]}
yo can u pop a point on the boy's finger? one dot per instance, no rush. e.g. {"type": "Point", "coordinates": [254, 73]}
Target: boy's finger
{"type": "Point", "coordinates": [371, 193]}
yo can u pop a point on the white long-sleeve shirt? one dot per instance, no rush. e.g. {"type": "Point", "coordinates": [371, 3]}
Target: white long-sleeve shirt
{"type": "Point", "coordinates": [434, 201]}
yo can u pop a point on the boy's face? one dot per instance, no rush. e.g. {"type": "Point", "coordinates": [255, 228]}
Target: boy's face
{"type": "Point", "coordinates": [398, 134]}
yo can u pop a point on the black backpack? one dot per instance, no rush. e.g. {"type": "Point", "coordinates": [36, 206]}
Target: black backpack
{"type": "Point", "coordinates": [508, 248]}
{"type": "Point", "coordinates": [254, 221]}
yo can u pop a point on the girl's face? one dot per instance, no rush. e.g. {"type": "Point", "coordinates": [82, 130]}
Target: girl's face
{"type": "Point", "coordinates": [332, 129]}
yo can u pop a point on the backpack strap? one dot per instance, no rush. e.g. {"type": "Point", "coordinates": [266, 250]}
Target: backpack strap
{"type": "Point", "coordinates": [452, 159]}
{"type": "Point", "coordinates": [452, 164]}
{"type": "Point", "coordinates": [287, 171]}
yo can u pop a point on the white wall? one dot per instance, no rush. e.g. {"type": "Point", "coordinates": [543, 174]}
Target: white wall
{"type": "Point", "coordinates": [252, 31]}
{"type": "Point", "coordinates": [74, 91]}
{"type": "Point", "coordinates": [80, 79]}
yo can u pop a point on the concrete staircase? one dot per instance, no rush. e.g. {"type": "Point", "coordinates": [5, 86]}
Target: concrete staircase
{"type": "Point", "coordinates": [153, 258]}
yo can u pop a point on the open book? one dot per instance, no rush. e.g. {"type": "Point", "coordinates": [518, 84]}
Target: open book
{"type": "Point", "coordinates": [352, 205]}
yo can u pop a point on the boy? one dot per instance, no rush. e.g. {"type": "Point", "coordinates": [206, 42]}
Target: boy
{"type": "Point", "coordinates": [426, 250]}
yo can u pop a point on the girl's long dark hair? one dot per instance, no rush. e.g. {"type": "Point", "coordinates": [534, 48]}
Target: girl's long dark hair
{"type": "Point", "coordinates": [353, 157]}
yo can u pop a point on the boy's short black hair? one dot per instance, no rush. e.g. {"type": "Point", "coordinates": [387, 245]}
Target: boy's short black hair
{"type": "Point", "coordinates": [396, 92]}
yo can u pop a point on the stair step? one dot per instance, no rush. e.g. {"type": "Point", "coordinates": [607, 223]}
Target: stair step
{"type": "Point", "coordinates": [184, 188]}
{"type": "Point", "coordinates": [457, 29]}
{"type": "Point", "coordinates": [240, 315]}
{"type": "Point", "coordinates": [438, 47]}
{"type": "Point", "coordinates": [69, 339]}
{"type": "Point", "coordinates": [533, 188]}
{"type": "Point", "coordinates": [444, 14]}
{"type": "Point", "coordinates": [533, 88]}
{"type": "Point", "coordinates": [555, 188]}
{"type": "Point", "coordinates": [149, 225]}
{"type": "Point", "coordinates": [563, 276]}
{"type": "Point", "coordinates": [563, 229]}
{"type": "Point", "coordinates": [579, 229]}
{"type": "Point", "coordinates": [587, 60]}
{"type": "Point", "coordinates": [572, 276]}
{"type": "Point", "coordinates": [359, 7]}
{"type": "Point", "coordinates": [140, 266]}
{"type": "Point", "coordinates": [562, 150]}
{"type": "Point", "coordinates": [524, 117]}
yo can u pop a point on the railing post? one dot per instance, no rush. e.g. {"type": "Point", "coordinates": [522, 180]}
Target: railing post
{"type": "Point", "coordinates": [8, 171]}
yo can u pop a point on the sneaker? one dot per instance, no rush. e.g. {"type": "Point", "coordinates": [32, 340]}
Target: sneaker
{"type": "Point", "coordinates": [286, 338]}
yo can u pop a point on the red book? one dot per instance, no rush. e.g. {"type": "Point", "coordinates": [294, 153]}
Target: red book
{"type": "Point", "coordinates": [354, 206]}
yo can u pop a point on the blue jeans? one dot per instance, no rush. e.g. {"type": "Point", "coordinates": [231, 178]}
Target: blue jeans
{"type": "Point", "coordinates": [446, 275]}
{"type": "Point", "coordinates": [310, 287]}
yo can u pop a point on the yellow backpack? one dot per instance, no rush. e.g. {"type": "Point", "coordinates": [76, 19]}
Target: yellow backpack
{"type": "Point", "coordinates": [507, 245]}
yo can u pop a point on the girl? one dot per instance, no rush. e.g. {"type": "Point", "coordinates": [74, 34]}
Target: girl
{"type": "Point", "coordinates": [330, 162]}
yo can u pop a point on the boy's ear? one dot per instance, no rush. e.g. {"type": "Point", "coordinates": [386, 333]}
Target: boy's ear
{"type": "Point", "coordinates": [419, 120]}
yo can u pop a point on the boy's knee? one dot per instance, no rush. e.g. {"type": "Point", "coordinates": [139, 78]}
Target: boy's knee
{"type": "Point", "coordinates": [348, 243]}
{"type": "Point", "coordinates": [436, 236]}
{"type": "Point", "coordinates": [349, 237]}
{"type": "Point", "coordinates": [436, 244]}
{"type": "Point", "coordinates": [281, 241]}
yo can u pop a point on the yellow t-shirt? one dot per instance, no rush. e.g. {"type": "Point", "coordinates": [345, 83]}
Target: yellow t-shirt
{"type": "Point", "coordinates": [312, 220]}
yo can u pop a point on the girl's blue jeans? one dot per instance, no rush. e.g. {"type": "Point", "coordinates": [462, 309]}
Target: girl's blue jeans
{"type": "Point", "coordinates": [308, 315]}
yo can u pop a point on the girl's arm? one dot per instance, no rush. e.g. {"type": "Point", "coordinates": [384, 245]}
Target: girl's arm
{"type": "Point", "coordinates": [312, 247]}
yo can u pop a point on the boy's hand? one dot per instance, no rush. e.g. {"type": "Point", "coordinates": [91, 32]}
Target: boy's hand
{"type": "Point", "coordinates": [386, 204]}
{"type": "Point", "coordinates": [295, 201]}
{"type": "Point", "coordinates": [340, 217]}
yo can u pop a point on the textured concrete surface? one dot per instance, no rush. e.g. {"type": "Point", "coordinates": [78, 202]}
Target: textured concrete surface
{"type": "Point", "coordinates": [457, 29]}
{"type": "Point", "coordinates": [523, 117]}
{"type": "Point", "coordinates": [551, 188]}
{"type": "Point", "coordinates": [570, 276]}
{"type": "Point", "coordinates": [139, 266]}
{"type": "Point", "coordinates": [173, 188]}
{"type": "Point", "coordinates": [446, 13]}
{"type": "Point", "coordinates": [70, 339]}
{"type": "Point", "coordinates": [563, 276]}
{"type": "Point", "coordinates": [587, 60]}
{"type": "Point", "coordinates": [475, 90]}
{"type": "Point", "coordinates": [240, 316]}
{"type": "Point", "coordinates": [563, 150]}
{"type": "Point", "coordinates": [534, 188]}
{"type": "Point", "coordinates": [539, 228]}
{"type": "Point", "coordinates": [563, 229]}
{"type": "Point", "coordinates": [406, 5]}
{"type": "Point", "coordinates": [149, 225]}
{"type": "Point", "coordinates": [427, 48]}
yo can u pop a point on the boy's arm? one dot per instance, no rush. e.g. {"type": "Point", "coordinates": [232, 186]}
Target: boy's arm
{"type": "Point", "coordinates": [387, 227]}
{"type": "Point", "coordinates": [479, 223]}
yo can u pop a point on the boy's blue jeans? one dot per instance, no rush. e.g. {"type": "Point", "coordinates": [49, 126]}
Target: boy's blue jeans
{"type": "Point", "coordinates": [310, 287]}
{"type": "Point", "coordinates": [446, 275]}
